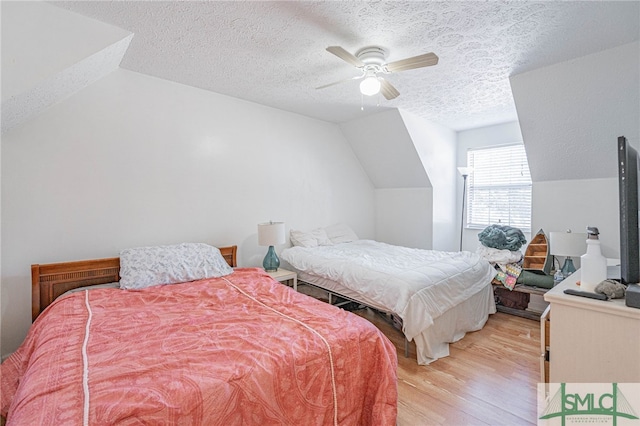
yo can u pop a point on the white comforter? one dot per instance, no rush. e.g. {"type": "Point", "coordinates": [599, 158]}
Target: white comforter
{"type": "Point", "coordinates": [418, 285]}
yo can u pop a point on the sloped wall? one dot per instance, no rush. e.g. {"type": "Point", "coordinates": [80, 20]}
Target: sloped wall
{"type": "Point", "coordinates": [411, 163]}
{"type": "Point", "coordinates": [571, 114]}
{"type": "Point", "coordinates": [48, 54]}
{"type": "Point", "coordinates": [385, 149]}
{"type": "Point", "coordinates": [436, 147]}
{"type": "Point", "coordinates": [404, 200]}
{"type": "Point", "coordinates": [40, 40]}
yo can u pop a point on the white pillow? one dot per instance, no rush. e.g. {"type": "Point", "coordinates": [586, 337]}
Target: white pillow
{"type": "Point", "coordinates": [315, 238]}
{"type": "Point", "coordinates": [302, 239]}
{"type": "Point", "coordinates": [340, 233]}
{"type": "Point", "coordinates": [321, 237]}
{"type": "Point", "coordinates": [149, 266]}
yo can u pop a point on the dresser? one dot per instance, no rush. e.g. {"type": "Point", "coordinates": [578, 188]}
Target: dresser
{"type": "Point", "coordinates": [590, 341]}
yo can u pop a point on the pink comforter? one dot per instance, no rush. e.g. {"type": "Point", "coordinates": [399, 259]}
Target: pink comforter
{"type": "Point", "coordinates": [237, 350]}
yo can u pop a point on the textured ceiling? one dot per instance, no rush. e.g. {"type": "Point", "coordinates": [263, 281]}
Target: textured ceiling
{"type": "Point", "coordinates": [274, 53]}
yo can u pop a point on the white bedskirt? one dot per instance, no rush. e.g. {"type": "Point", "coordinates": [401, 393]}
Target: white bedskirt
{"type": "Point", "coordinates": [433, 342]}
{"type": "Point", "coordinates": [420, 286]}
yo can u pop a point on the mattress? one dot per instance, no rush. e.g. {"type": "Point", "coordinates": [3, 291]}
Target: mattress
{"type": "Point", "coordinates": [420, 286]}
{"type": "Point", "coordinates": [239, 349]}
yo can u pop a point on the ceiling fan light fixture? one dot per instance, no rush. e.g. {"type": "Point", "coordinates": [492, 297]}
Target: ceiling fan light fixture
{"type": "Point", "coordinates": [370, 86]}
{"type": "Point", "coordinates": [370, 61]}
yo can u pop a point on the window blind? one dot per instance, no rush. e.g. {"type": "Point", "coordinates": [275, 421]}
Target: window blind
{"type": "Point", "coordinates": [499, 188]}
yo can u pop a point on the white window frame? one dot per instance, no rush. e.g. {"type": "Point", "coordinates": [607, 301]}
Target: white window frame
{"type": "Point", "coordinates": [498, 187]}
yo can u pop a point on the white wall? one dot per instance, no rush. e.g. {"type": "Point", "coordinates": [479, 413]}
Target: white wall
{"type": "Point", "coordinates": [576, 204]}
{"type": "Point", "coordinates": [134, 160]}
{"type": "Point", "coordinates": [500, 134]}
{"type": "Point", "coordinates": [436, 147]}
{"type": "Point", "coordinates": [404, 216]}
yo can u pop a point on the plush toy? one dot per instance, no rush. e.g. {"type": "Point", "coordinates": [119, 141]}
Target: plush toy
{"type": "Point", "coordinates": [612, 289]}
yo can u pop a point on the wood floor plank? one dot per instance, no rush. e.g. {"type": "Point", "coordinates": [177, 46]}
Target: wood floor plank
{"type": "Point", "coordinates": [490, 377]}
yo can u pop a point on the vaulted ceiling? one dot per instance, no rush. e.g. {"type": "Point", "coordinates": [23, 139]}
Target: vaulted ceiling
{"type": "Point", "coordinates": [273, 52]}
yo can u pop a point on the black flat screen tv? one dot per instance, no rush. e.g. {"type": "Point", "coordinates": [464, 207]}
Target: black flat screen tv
{"type": "Point", "coordinates": [628, 163]}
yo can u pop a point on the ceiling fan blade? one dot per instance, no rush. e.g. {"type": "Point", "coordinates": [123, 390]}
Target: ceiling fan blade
{"type": "Point", "coordinates": [341, 81]}
{"type": "Point", "coordinates": [387, 89]}
{"type": "Point", "coordinates": [425, 60]}
{"type": "Point", "coordinates": [345, 56]}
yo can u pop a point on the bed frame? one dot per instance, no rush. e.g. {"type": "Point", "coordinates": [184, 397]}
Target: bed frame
{"type": "Point", "coordinates": [386, 316]}
{"type": "Point", "coordinates": [52, 280]}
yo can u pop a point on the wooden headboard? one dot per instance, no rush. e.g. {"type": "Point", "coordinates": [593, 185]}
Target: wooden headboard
{"type": "Point", "coordinates": [52, 280]}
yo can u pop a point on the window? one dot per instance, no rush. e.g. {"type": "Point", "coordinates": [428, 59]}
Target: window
{"type": "Point", "coordinates": [499, 188]}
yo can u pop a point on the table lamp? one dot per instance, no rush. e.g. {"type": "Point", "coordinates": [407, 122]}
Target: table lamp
{"type": "Point", "coordinates": [270, 234]}
{"type": "Point", "coordinates": [568, 244]}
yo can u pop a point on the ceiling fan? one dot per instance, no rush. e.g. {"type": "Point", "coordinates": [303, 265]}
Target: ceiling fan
{"type": "Point", "coordinates": [370, 61]}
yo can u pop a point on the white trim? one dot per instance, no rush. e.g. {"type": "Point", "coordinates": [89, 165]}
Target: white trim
{"type": "Point", "coordinates": [85, 362]}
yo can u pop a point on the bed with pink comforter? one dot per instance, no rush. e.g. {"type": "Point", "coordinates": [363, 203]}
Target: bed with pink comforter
{"type": "Point", "coordinates": [238, 350]}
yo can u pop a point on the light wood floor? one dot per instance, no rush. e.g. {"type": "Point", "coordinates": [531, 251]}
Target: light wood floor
{"type": "Point", "coordinates": [490, 378]}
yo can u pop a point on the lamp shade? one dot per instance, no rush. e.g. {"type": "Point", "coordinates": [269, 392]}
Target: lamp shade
{"type": "Point", "coordinates": [271, 233]}
{"type": "Point", "coordinates": [465, 171]}
{"type": "Point", "coordinates": [568, 243]}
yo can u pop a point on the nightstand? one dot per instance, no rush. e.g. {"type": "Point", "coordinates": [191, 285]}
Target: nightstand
{"type": "Point", "coordinates": [285, 277]}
